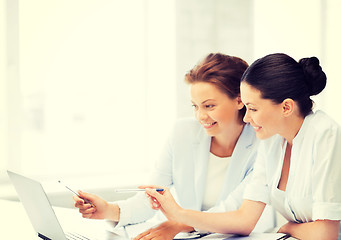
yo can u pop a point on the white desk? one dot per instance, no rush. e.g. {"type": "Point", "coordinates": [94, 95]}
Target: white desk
{"type": "Point", "coordinates": [15, 224]}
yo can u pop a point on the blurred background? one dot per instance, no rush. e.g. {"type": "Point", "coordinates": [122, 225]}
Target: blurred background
{"type": "Point", "coordinates": [89, 89]}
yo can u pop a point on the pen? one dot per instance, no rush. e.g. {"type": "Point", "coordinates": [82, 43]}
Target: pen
{"type": "Point", "coordinates": [284, 237]}
{"type": "Point", "coordinates": [87, 201]}
{"type": "Point", "coordinates": [123, 190]}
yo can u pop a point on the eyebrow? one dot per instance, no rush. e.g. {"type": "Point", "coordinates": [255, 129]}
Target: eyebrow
{"type": "Point", "coordinates": [207, 100]}
{"type": "Point", "coordinates": [204, 101]}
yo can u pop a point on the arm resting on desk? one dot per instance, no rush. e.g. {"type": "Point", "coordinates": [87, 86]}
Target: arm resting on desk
{"type": "Point", "coordinates": [319, 230]}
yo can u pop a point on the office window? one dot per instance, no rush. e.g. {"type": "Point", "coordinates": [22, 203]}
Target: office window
{"type": "Point", "coordinates": [90, 76]}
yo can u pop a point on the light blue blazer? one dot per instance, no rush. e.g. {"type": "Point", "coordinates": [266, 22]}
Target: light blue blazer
{"type": "Point", "coordinates": [184, 162]}
{"type": "Point", "coordinates": [183, 166]}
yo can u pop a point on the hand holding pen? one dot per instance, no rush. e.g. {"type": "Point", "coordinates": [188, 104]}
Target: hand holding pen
{"type": "Point", "coordinates": [162, 200]}
{"type": "Point", "coordinates": [74, 192]}
{"type": "Point", "coordinates": [101, 209]}
{"type": "Point", "coordinates": [91, 206]}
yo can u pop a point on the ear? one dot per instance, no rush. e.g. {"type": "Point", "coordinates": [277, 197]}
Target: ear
{"type": "Point", "coordinates": [288, 106]}
{"type": "Point", "coordinates": [240, 104]}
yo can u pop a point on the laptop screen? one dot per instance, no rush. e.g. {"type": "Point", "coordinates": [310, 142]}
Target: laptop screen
{"type": "Point", "coordinates": [37, 206]}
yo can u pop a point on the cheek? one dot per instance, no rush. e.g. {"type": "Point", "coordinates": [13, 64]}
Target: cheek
{"type": "Point", "coordinates": [257, 118]}
{"type": "Point", "coordinates": [224, 115]}
{"type": "Point", "coordinates": [265, 121]}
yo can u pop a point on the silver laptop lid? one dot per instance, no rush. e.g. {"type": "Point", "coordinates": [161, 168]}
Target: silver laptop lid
{"type": "Point", "coordinates": [37, 206]}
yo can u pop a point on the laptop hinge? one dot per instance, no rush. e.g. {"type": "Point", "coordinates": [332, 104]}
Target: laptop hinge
{"type": "Point", "coordinates": [43, 237]}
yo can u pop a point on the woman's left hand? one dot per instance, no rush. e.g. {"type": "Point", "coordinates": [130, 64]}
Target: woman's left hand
{"type": "Point", "coordinates": [165, 231]}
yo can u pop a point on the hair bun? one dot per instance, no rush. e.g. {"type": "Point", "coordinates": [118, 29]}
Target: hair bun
{"type": "Point", "coordinates": [315, 77]}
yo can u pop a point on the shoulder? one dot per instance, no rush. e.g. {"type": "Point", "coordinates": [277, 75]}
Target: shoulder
{"type": "Point", "coordinates": [266, 146]}
{"type": "Point", "coordinates": [248, 138]}
{"type": "Point", "coordinates": [320, 124]}
{"type": "Point", "coordinates": [250, 134]}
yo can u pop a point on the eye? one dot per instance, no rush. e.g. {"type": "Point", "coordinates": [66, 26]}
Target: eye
{"type": "Point", "coordinates": [195, 106]}
{"type": "Point", "coordinates": [252, 109]}
{"type": "Point", "coordinates": [209, 106]}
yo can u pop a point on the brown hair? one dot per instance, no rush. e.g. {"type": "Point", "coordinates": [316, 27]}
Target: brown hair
{"type": "Point", "coordinates": [223, 71]}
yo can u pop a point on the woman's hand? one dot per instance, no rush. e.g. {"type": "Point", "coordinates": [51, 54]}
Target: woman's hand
{"type": "Point", "coordinates": [163, 201]}
{"type": "Point", "coordinates": [165, 231]}
{"type": "Point", "coordinates": [98, 209]}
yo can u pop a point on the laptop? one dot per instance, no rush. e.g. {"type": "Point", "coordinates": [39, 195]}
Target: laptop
{"type": "Point", "coordinates": [40, 212]}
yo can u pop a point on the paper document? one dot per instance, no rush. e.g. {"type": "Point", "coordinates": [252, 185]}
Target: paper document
{"type": "Point", "coordinates": [187, 235]}
{"type": "Point", "coordinates": [136, 229]}
{"type": "Point", "coordinates": [252, 236]}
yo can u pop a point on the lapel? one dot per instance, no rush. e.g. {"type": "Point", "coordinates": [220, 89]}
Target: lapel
{"type": "Point", "coordinates": [240, 162]}
{"type": "Point", "coordinates": [201, 150]}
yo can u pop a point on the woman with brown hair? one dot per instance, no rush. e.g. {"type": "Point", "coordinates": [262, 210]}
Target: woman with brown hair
{"type": "Point", "coordinates": [207, 160]}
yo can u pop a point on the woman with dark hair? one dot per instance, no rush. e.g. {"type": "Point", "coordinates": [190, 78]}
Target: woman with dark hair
{"type": "Point", "coordinates": [298, 166]}
{"type": "Point", "coordinates": [207, 160]}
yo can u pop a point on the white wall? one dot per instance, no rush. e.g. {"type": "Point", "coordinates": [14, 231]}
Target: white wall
{"type": "Point", "coordinates": [331, 64]}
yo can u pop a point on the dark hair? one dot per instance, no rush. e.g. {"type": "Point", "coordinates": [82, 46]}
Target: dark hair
{"type": "Point", "coordinates": [221, 70]}
{"type": "Point", "coordinates": [278, 76]}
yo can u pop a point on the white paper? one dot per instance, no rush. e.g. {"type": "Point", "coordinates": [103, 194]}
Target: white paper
{"type": "Point", "coordinates": [252, 236]}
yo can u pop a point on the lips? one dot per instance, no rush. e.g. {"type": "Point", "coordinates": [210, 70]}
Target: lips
{"type": "Point", "coordinates": [208, 125]}
{"type": "Point", "coordinates": [257, 128]}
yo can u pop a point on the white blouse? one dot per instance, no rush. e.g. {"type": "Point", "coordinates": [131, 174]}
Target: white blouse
{"type": "Point", "coordinates": [313, 189]}
{"type": "Point", "coordinates": [216, 171]}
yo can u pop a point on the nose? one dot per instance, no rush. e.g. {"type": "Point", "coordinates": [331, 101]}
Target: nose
{"type": "Point", "coordinates": [201, 115]}
{"type": "Point", "coordinates": [246, 117]}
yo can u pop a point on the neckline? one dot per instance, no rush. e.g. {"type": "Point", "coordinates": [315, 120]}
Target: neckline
{"type": "Point", "coordinates": [220, 158]}
{"type": "Point", "coordinates": [284, 144]}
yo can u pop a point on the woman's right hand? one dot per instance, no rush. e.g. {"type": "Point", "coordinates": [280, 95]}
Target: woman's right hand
{"type": "Point", "coordinates": [98, 209]}
{"type": "Point", "coordinates": [163, 201]}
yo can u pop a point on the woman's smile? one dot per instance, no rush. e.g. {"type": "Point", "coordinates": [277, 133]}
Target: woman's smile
{"type": "Point", "coordinates": [257, 128]}
{"type": "Point", "coordinates": [208, 125]}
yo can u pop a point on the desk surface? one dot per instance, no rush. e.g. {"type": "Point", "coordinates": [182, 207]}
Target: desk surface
{"type": "Point", "coordinates": [15, 224]}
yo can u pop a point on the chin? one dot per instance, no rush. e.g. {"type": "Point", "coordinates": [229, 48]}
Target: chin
{"type": "Point", "coordinates": [211, 133]}
{"type": "Point", "coordinates": [263, 136]}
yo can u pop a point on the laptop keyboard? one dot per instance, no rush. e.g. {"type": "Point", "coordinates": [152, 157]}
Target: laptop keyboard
{"type": "Point", "coordinates": [75, 236]}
